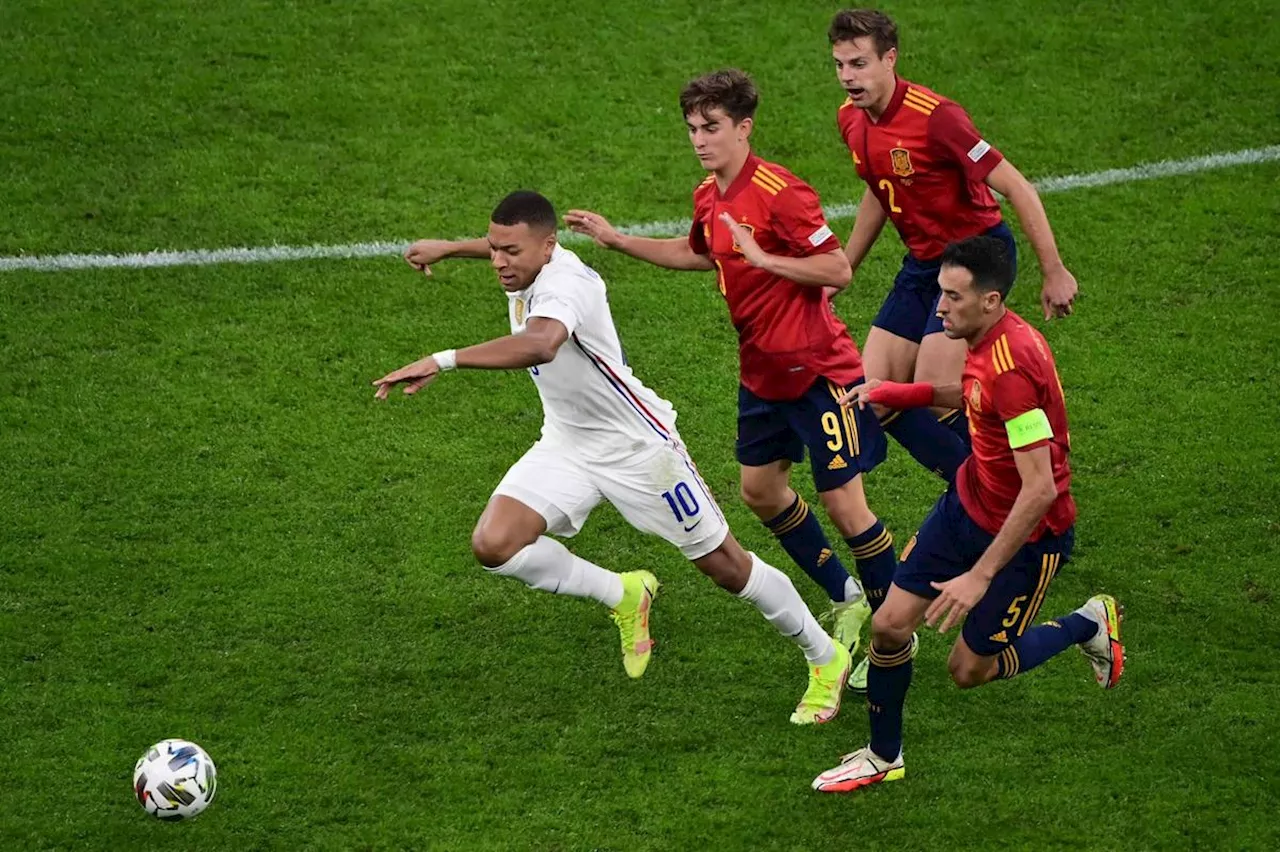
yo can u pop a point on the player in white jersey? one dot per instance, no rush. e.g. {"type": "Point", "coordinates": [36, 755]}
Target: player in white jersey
{"type": "Point", "coordinates": [605, 436]}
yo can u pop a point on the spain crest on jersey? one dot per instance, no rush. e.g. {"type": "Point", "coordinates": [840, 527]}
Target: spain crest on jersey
{"type": "Point", "coordinates": [975, 397]}
{"type": "Point", "coordinates": [750, 229]}
{"type": "Point", "coordinates": [901, 159]}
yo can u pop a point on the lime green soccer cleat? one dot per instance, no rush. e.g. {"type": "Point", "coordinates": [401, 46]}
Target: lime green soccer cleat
{"type": "Point", "coordinates": [821, 701]}
{"type": "Point", "coordinates": [858, 678]}
{"type": "Point", "coordinates": [639, 588]}
{"type": "Point", "coordinates": [847, 621]}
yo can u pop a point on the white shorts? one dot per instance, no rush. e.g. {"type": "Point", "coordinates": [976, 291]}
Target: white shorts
{"type": "Point", "coordinates": [658, 491]}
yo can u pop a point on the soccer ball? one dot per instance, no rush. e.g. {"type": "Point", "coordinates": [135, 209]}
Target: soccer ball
{"type": "Point", "coordinates": [174, 780]}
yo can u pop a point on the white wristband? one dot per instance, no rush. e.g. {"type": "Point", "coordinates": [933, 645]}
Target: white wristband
{"type": "Point", "coordinates": [448, 359]}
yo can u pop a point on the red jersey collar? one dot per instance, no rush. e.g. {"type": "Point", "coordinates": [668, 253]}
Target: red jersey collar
{"type": "Point", "coordinates": [895, 103]}
{"type": "Point", "coordinates": [743, 178]}
{"type": "Point", "coordinates": [994, 332]}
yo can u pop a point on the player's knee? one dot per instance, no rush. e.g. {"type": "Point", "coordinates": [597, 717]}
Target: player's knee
{"type": "Point", "coordinates": [891, 629]}
{"type": "Point", "coordinates": [967, 673]}
{"type": "Point", "coordinates": [763, 498]}
{"type": "Point", "coordinates": [494, 547]}
{"type": "Point", "coordinates": [847, 508]}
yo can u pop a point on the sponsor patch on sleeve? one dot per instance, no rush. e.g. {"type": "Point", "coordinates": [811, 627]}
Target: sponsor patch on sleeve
{"type": "Point", "coordinates": [820, 236]}
{"type": "Point", "coordinates": [977, 152]}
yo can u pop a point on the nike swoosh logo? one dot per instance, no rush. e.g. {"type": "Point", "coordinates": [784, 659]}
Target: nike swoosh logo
{"type": "Point", "coordinates": [694, 524]}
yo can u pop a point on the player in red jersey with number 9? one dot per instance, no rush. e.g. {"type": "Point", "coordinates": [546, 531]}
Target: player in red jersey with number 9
{"type": "Point", "coordinates": [931, 173]}
{"type": "Point", "coordinates": [763, 231]}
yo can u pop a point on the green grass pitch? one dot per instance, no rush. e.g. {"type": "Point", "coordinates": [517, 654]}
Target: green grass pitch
{"type": "Point", "coordinates": [208, 528]}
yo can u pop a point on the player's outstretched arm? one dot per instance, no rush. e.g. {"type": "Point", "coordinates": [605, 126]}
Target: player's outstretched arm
{"type": "Point", "coordinates": [867, 225]}
{"type": "Point", "coordinates": [537, 344]}
{"type": "Point", "coordinates": [1059, 289]}
{"type": "Point", "coordinates": [900, 395]}
{"type": "Point", "coordinates": [959, 596]}
{"type": "Point", "coordinates": [423, 253]}
{"type": "Point", "coordinates": [674, 253]}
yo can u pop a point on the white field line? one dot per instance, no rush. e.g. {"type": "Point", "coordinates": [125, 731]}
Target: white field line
{"type": "Point", "coordinates": [269, 254]}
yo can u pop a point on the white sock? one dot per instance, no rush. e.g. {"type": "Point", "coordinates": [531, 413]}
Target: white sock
{"type": "Point", "coordinates": [777, 599]}
{"type": "Point", "coordinates": [852, 591]}
{"type": "Point", "coordinates": [547, 565]}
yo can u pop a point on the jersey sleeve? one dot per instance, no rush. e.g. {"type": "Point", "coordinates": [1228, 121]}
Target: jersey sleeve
{"type": "Point", "coordinates": [1017, 404]}
{"type": "Point", "coordinates": [951, 129]}
{"type": "Point", "coordinates": [562, 298]}
{"type": "Point", "coordinates": [798, 216]}
{"type": "Point", "coordinates": [698, 230]}
{"type": "Point", "coordinates": [843, 124]}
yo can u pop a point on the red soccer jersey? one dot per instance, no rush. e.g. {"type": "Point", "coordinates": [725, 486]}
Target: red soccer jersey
{"type": "Point", "coordinates": [1008, 374]}
{"type": "Point", "coordinates": [788, 334]}
{"type": "Point", "coordinates": [927, 164]}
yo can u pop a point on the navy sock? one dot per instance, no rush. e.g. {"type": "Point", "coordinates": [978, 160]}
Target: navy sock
{"type": "Point", "coordinates": [957, 422]}
{"type": "Point", "coordinates": [929, 442]}
{"type": "Point", "coordinates": [1043, 642]}
{"type": "Point", "coordinates": [888, 678]}
{"type": "Point", "coordinates": [873, 552]}
{"type": "Point", "coordinates": [801, 536]}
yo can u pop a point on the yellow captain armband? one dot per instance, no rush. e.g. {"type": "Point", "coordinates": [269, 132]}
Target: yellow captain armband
{"type": "Point", "coordinates": [1028, 428]}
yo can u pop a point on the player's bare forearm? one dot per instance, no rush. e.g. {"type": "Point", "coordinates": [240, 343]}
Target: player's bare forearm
{"type": "Point", "coordinates": [513, 352]}
{"type": "Point", "coordinates": [830, 269]}
{"type": "Point", "coordinates": [673, 253]}
{"type": "Point", "coordinates": [1035, 224]}
{"type": "Point", "coordinates": [476, 249]}
{"type": "Point", "coordinates": [1009, 182]}
{"type": "Point", "coordinates": [1059, 289]}
{"type": "Point", "coordinates": [1034, 500]}
{"type": "Point", "coordinates": [948, 396]}
{"type": "Point", "coordinates": [422, 254]}
{"type": "Point", "coordinates": [537, 344]}
{"type": "Point", "coordinates": [867, 226]}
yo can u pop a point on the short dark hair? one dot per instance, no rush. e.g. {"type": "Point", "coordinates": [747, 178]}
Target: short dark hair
{"type": "Point", "coordinates": [731, 90]}
{"type": "Point", "coordinates": [986, 259]}
{"type": "Point", "coordinates": [527, 206]}
{"type": "Point", "coordinates": [851, 24]}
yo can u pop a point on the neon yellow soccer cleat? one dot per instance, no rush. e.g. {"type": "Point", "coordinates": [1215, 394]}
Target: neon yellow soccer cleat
{"type": "Point", "coordinates": [821, 701]}
{"type": "Point", "coordinates": [847, 621]}
{"type": "Point", "coordinates": [858, 678]}
{"type": "Point", "coordinates": [639, 588]}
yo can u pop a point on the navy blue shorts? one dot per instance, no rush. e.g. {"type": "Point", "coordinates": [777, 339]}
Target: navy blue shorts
{"type": "Point", "coordinates": [949, 543]}
{"type": "Point", "coordinates": [842, 442]}
{"type": "Point", "coordinates": [911, 308]}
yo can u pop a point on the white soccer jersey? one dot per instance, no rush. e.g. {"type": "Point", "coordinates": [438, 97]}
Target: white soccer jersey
{"type": "Point", "coordinates": [591, 401]}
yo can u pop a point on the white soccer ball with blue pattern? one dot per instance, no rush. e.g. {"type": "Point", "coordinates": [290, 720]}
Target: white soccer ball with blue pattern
{"type": "Point", "coordinates": [175, 780]}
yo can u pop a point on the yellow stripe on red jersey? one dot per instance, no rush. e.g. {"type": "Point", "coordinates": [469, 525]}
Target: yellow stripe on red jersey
{"type": "Point", "coordinates": [765, 185]}
{"type": "Point", "coordinates": [770, 178]}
